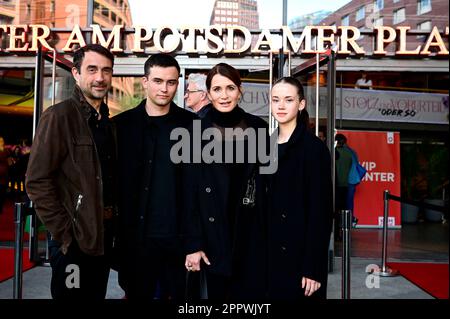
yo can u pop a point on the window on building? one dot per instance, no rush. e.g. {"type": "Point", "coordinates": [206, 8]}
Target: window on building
{"type": "Point", "coordinates": [378, 22]}
{"type": "Point", "coordinates": [113, 17]}
{"type": "Point", "coordinates": [345, 20]}
{"type": "Point", "coordinates": [361, 35]}
{"type": "Point", "coordinates": [378, 5]}
{"type": "Point", "coordinates": [96, 6]}
{"type": "Point", "coordinates": [423, 6]}
{"type": "Point", "coordinates": [105, 11]}
{"type": "Point", "coordinates": [423, 26]}
{"type": "Point", "coordinates": [28, 9]}
{"type": "Point", "coordinates": [52, 6]}
{"type": "Point", "coordinates": [399, 15]}
{"type": "Point", "coordinates": [395, 1]}
{"type": "Point", "coordinates": [361, 13]}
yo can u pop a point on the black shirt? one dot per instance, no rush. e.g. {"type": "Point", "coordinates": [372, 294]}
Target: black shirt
{"type": "Point", "coordinates": [161, 205]}
{"type": "Point", "coordinates": [104, 143]}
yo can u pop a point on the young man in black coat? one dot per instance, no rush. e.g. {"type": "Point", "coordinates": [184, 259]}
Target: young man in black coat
{"type": "Point", "coordinates": [151, 256]}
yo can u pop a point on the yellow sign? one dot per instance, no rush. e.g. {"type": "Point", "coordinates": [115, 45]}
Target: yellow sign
{"type": "Point", "coordinates": [217, 39]}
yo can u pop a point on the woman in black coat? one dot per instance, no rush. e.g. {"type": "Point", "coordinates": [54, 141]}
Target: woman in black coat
{"type": "Point", "coordinates": [300, 201]}
{"type": "Point", "coordinates": [224, 223]}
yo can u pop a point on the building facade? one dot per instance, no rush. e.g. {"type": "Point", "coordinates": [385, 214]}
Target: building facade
{"type": "Point", "coordinates": [63, 15]}
{"type": "Point", "coordinates": [236, 12]}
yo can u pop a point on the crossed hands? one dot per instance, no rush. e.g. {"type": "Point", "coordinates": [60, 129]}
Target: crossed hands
{"type": "Point", "coordinates": [192, 262]}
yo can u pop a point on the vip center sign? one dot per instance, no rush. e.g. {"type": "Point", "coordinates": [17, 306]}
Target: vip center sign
{"type": "Point", "coordinates": [216, 39]}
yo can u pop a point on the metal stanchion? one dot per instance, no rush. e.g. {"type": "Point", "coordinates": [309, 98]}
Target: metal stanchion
{"type": "Point", "coordinates": [18, 247]}
{"type": "Point", "coordinates": [346, 220]}
{"type": "Point", "coordinates": [385, 271]}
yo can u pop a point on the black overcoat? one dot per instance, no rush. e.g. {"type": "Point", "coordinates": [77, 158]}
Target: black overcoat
{"type": "Point", "coordinates": [239, 256]}
{"type": "Point", "coordinates": [134, 172]}
{"type": "Point", "coordinates": [299, 216]}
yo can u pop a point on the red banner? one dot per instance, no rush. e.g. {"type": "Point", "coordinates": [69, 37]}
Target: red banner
{"type": "Point", "coordinates": [379, 153]}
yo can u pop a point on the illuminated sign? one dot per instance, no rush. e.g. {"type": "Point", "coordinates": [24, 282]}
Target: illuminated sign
{"type": "Point", "coordinates": [216, 39]}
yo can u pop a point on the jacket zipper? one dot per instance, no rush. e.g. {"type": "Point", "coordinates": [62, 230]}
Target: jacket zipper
{"type": "Point", "coordinates": [77, 206]}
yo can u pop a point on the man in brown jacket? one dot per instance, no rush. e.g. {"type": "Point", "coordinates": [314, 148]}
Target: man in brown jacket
{"type": "Point", "coordinates": [71, 180]}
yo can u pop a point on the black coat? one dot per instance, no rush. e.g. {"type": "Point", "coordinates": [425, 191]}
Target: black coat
{"type": "Point", "coordinates": [240, 255]}
{"type": "Point", "coordinates": [300, 216]}
{"type": "Point", "coordinates": [134, 175]}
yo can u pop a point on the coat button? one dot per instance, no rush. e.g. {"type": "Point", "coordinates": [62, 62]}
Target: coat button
{"type": "Point", "coordinates": [211, 219]}
{"type": "Point", "coordinates": [208, 189]}
{"type": "Point", "coordinates": [97, 177]}
{"type": "Point", "coordinates": [146, 189]}
{"type": "Point", "coordinates": [149, 161]}
{"type": "Point", "coordinates": [283, 216]}
{"type": "Point", "coordinates": [283, 248]}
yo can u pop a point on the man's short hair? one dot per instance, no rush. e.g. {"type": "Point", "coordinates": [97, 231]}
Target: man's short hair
{"type": "Point", "coordinates": [78, 56]}
{"type": "Point", "coordinates": [162, 60]}
{"type": "Point", "coordinates": [199, 80]}
{"type": "Point", "coordinates": [340, 138]}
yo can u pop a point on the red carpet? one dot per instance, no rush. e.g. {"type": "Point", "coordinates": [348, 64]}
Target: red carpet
{"type": "Point", "coordinates": [431, 277]}
{"type": "Point", "coordinates": [7, 222]}
{"type": "Point", "coordinates": [7, 263]}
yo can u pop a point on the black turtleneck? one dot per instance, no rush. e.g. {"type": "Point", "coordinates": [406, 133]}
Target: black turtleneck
{"type": "Point", "coordinates": [232, 119]}
{"type": "Point", "coordinates": [227, 119]}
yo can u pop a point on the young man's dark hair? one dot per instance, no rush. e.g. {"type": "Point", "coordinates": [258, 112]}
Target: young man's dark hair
{"type": "Point", "coordinates": [162, 60]}
{"type": "Point", "coordinates": [78, 56]}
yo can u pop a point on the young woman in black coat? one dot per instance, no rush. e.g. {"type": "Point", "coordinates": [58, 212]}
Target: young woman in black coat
{"type": "Point", "coordinates": [225, 225]}
{"type": "Point", "coordinates": [300, 201]}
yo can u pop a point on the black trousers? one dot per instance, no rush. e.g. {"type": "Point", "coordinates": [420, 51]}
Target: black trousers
{"type": "Point", "coordinates": [219, 287]}
{"type": "Point", "coordinates": [76, 275]}
{"type": "Point", "coordinates": [155, 270]}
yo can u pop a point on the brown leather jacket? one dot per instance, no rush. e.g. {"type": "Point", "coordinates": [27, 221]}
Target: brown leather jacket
{"type": "Point", "coordinates": [64, 176]}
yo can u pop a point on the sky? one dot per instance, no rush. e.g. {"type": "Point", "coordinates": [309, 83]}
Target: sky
{"type": "Point", "coordinates": [155, 13]}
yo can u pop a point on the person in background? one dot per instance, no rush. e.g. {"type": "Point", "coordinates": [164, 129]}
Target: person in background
{"type": "Point", "coordinates": [299, 198]}
{"type": "Point", "coordinates": [345, 189]}
{"type": "Point", "coordinates": [322, 136]}
{"type": "Point", "coordinates": [196, 96]}
{"type": "Point", "coordinates": [71, 179]}
{"type": "Point", "coordinates": [363, 82]}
